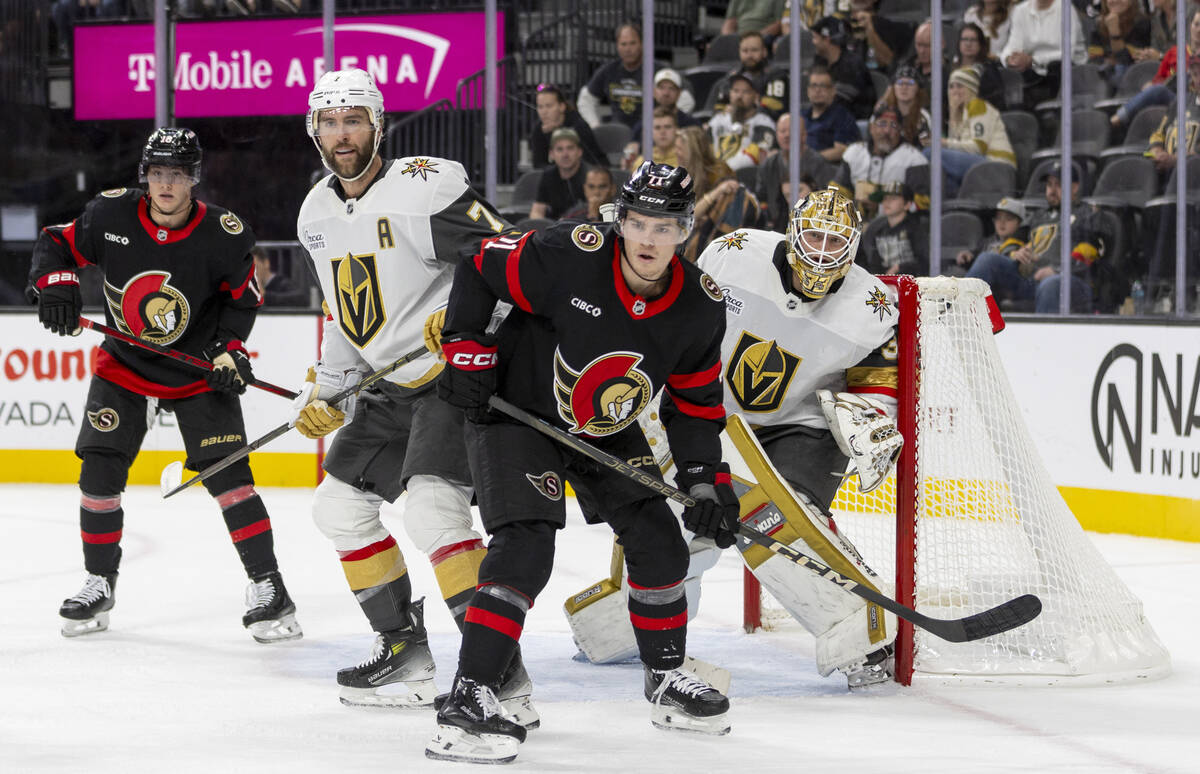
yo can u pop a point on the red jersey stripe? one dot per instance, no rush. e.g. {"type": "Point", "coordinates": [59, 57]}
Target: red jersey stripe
{"type": "Point", "coordinates": [499, 623]}
{"type": "Point", "coordinates": [698, 379]}
{"type": "Point", "coordinates": [366, 553]}
{"type": "Point", "coordinates": [112, 370]}
{"type": "Point", "coordinates": [696, 410]}
{"type": "Point", "coordinates": [250, 530]}
{"type": "Point", "coordinates": [69, 235]}
{"type": "Point", "coordinates": [100, 538]}
{"type": "Point", "coordinates": [512, 273]}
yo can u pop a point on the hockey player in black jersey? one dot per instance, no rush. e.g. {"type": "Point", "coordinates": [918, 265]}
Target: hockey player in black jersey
{"type": "Point", "coordinates": [604, 317]}
{"type": "Point", "coordinates": [177, 272]}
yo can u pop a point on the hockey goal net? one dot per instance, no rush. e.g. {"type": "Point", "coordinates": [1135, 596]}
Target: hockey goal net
{"type": "Point", "coordinates": [970, 517]}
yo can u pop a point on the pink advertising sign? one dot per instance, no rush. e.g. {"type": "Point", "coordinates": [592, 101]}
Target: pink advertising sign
{"type": "Point", "coordinates": [256, 68]}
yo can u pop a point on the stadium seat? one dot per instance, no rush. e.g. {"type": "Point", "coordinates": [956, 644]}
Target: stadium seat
{"type": "Point", "coordinates": [703, 78]}
{"type": "Point", "coordinates": [1014, 87]}
{"type": "Point", "coordinates": [881, 83]}
{"type": "Point", "coordinates": [960, 231]}
{"type": "Point", "coordinates": [620, 176]}
{"type": "Point", "coordinates": [1090, 130]}
{"type": "Point", "coordinates": [612, 138]}
{"type": "Point", "coordinates": [523, 195]}
{"type": "Point", "coordinates": [722, 48]}
{"type": "Point", "coordinates": [1126, 182]}
{"type": "Point", "coordinates": [1132, 81]}
{"type": "Point", "coordinates": [1022, 128]}
{"type": "Point", "coordinates": [1035, 189]}
{"type": "Point", "coordinates": [783, 49]}
{"type": "Point", "coordinates": [1087, 88]}
{"type": "Point", "coordinates": [983, 185]}
{"type": "Point", "coordinates": [1137, 138]}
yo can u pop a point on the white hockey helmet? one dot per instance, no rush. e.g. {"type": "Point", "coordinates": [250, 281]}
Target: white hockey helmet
{"type": "Point", "coordinates": [346, 89]}
{"type": "Point", "coordinates": [822, 238]}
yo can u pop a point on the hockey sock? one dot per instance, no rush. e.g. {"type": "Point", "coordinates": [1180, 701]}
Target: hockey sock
{"type": "Point", "coordinates": [250, 529]}
{"type": "Point", "coordinates": [659, 616]}
{"type": "Point", "coordinates": [456, 568]}
{"type": "Point", "coordinates": [101, 519]}
{"type": "Point", "coordinates": [491, 631]}
{"type": "Point", "coordinates": [379, 579]}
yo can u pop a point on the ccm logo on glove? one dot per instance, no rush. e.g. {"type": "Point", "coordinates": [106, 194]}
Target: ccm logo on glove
{"type": "Point", "coordinates": [473, 361]}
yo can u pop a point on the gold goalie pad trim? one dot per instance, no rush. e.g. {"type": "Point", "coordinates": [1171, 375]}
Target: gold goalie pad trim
{"type": "Point", "coordinates": [768, 505]}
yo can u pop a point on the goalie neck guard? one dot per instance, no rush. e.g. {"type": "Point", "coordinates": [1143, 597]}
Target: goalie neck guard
{"type": "Point", "coordinates": [342, 89]}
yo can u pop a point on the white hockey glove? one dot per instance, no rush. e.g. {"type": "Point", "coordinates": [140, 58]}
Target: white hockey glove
{"type": "Point", "coordinates": [865, 433]}
{"type": "Point", "coordinates": [311, 415]}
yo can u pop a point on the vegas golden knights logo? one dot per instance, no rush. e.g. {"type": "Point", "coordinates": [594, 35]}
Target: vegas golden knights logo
{"type": "Point", "coordinates": [359, 301]}
{"type": "Point", "coordinates": [604, 397]}
{"type": "Point", "coordinates": [759, 373]}
{"type": "Point", "coordinates": [1041, 238]}
{"type": "Point", "coordinates": [149, 307]}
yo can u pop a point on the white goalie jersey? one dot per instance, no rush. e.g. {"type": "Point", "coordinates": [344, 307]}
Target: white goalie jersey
{"type": "Point", "coordinates": [779, 349]}
{"type": "Point", "coordinates": [385, 260]}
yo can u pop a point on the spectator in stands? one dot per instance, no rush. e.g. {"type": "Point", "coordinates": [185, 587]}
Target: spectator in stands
{"type": "Point", "coordinates": [277, 289]}
{"type": "Point", "coordinates": [991, 16]}
{"type": "Point", "coordinates": [1160, 90]}
{"type": "Point", "coordinates": [554, 112]}
{"type": "Point", "coordinates": [663, 132]}
{"type": "Point", "coordinates": [598, 188]}
{"type": "Point", "coordinates": [855, 89]}
{"type": "Point", "coordinates": [772, 188]}
{"type": "Point", "coordinates": [884, 158]}
{"type": "Point", "coordinates": [1034, 49]}
{"type": "Point", "coordinates": [1120, 29]}
{"type": "Point", "coordinates": [976, 132]}
{"type": "Point", "coordinates": [754, 59]}
{"type": "Point", "coordinates": [668, 88]}
{"type": "Point", "coordinates": [1162, 31]}
{"type": "Point", "coordinates": [919, 58]}
{"type": "Point", "coordinates": [898, 241]}
{"type": "Point", "coordinates": [1031, 271]}
{"type": "Point", "coordinates": [876, 39]}
{"type": "Point", "coordinates": [1164, 143]}
{"type": "Point", "coordinates": [743, 135]}
{"type": "Point", "coordinates": [831, 127]}
{"type": "Point", "coordinates": [761, 16]}
{"type": "Point", "coordinates": [1006, 238]}
{"type": "Point", "coordinates": [618, 83]}
{"type": "Point", "coordinates": [723, 205]}
{"type": "Point", "coordinates": [65, 12]}
{"type": "Point", "coordinates": [906, 96]}
{"type": "Point", "coordinates": [561, 186]}
{"type": "Point", "coordinates": [974, 51]}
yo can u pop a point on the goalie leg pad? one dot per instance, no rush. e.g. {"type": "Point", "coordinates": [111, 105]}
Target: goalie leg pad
{"type": "Point", "coordinates": [599, 619]}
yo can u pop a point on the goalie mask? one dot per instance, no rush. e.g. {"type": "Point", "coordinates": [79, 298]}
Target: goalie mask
{"type": "Point", "coordinates": [822, 239]}
{"type": "Point", "coordinates": [171, 147]}
{"type": "Point", "coordinates": [659, 191]}
{"type": "Point", "coordinates": [333, 98]}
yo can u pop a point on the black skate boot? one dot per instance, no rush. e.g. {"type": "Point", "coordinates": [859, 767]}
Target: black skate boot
{"type": "Point", "coordinates": [878, 667]}
{"type": "Point", "coordinates": [514, 694]}
{"type": "Point", "coordinates": [473, 727]}
{"type": "Point", "coordinates": [399, 671]}
{"type": "Point", "coordinates": [270, 614]}
{"type": "Point", "coordinates": [87, 611]}
{"type": "Point", "coordinates": [682, 701]}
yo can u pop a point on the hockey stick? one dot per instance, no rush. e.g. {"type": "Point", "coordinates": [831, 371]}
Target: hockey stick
{"type": "Point", "coordinates": [1008, 615]}
{"type": "Point", "coordinates": [174, 354]}
{"type": "Point", "coordinates": [173, 473]}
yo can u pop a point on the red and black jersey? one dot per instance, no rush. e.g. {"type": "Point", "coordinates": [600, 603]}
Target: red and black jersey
{"type": "Point", "coordinates": [582, 350]}
{"type": "Point", "coordinates": [182, 288]}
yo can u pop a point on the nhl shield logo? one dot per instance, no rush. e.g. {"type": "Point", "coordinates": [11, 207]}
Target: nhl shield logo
{"type": "Point", "coordinates": [149, 307]}
{"type": "Point", "coordinates": [105, 420]}
{"type": "Point", "coordinates": [759, 373]}
{"type": "Point", "coordinates": [360, 309]}
{"type": "Point", "coordinates": [548, 484]}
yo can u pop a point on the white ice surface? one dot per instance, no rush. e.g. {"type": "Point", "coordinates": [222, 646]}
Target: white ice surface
{"type": "Point", "coordinates": [176, 684]}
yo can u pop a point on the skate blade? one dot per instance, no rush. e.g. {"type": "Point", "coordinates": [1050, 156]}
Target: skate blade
{"type": "Point", "coordinates": [279, 630]}
{"type": "Point", "coordinates": [452, 743]}
{"type": "Point", "coordinates": [74, 628]}
{"type": "Point", "coordinates": [519, 710]}
{"type": "Point", "coordinates": [672, 719]}
{"type": "Point", "coordinates": [419, 695]}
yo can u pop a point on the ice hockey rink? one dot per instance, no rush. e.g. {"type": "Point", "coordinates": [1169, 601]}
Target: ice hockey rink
{"type": "Point", "coordinates": [177, 685]}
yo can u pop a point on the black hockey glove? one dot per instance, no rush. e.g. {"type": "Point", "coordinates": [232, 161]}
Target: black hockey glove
{"type": "Point", "coordinates": [231, 366]}
{"type": "Point", "coordinates": [469, 378]}
{"type": "Point", "coordinates": [715, 514]}
{"type": "Point", "coordinates": [59, 302]}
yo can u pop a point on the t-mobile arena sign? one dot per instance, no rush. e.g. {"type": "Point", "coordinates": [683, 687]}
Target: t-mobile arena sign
{"type": "Point", "coordinates": [256, 68]}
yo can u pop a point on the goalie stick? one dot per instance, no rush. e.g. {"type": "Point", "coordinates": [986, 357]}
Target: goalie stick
{"type": "Point", "coordinates": [173, 473]}
{"type": "Point", "coordinates": [1001, 618]}
{"type": "Point", "coordinates": [174, 354]}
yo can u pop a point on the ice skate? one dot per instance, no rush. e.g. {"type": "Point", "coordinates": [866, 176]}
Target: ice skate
{"type": "Point", "coordinates": [877, 667]}
{"type": "Point", "coordinates": [683, 702]}
{"type": "Point", "coordinates": [87, 611]}
{"type": "Point", "coordinates": [270, 614]}
{"type": "Point", "coordinates": [473, 727]}
{"type": "Point", "coordinates": [515, 693]}
{"type": "Point", "coordinates": [399, 672]}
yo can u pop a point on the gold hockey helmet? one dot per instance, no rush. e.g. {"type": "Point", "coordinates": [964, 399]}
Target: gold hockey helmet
{"type": "Point", "coordinates": [822, 238]}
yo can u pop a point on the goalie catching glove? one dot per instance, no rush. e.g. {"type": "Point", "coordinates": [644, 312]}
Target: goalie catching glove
{"type": "Point", "coordinates": [715, 514]}
{"type": "Point", "coordinates": [231, 366]}
{"type": "Point", "coordinates": [469, 378]}
{"type": "Point", "coordinates": [865, 433]}
{"type": "Point", "coordinates": [312, 415]}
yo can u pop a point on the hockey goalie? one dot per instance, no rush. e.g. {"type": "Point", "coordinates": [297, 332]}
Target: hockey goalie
{"type": "Point", "coordinates": [809, 360]}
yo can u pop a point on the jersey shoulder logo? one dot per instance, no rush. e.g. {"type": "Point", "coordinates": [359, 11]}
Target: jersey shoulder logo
{"type": "Point", "coordinates": [548, 484]}
{"type": "Point", "coordinates": [605, 396]}
{"type": "Point", "coordinates": [879, 303]}
{"type": "Point", "coordinates": [232, 223]}
{"type": "Point", "coordinates": [149, 307]}
{"type": "Point", "coordinates": [759, 373]}
{"type": "Point", "coordinates": [114, 193]}
{"type": "Point", "coordinates": [711, 288]}
{"type": "Point", "coordinates": [360, 312]}
{"type": "Point", "coordinates": [587, 237]}
{"type": "Point", "coordinates": [420, 167]}
{"type": "Point", "coordinates": [105, 420]}
{"type": "Point", "coordinates": [734, 241]}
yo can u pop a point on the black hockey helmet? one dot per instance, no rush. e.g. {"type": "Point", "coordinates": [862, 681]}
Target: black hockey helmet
{"type": "Point", "coordinates": [659, 190]}
{"type": "Point", "coordinates": [172, 147]}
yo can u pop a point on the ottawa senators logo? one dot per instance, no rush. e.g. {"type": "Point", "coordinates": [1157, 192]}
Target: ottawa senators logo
{"type": "Point", "coordinates": [114, 193]}
{"type": "Point", "coordinates": [360, 311]}
{"type": "Point", "coordinates": [711, 288]}
{"type": "Point", "coordinates": [105, 420]}
{"type": "Point", "coordinates": [759, 373]}
{"type": "Point", "coordinates": [587, 237]}
{"type": "Point", "coordinates": [232, 224]}
{"type": "Point", "coordinates": [603, 398]}
{"type": "Point", "coordinates": [548, 484]}
{"type": "Point", "coordinates": [148, 307]}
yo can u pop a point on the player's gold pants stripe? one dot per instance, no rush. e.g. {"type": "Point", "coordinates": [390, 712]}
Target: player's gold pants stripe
{"type": "Point", "coordinates": [459, 572]}
{"type": "Point", "coordinates": [376, 570]}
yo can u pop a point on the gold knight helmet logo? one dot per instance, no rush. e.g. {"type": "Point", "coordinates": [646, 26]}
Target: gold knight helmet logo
{"type": "Point", "coordinates": [360, 311]}
{"type": "Point", "coordinates": [759, 373]}
{"type": "Point", "coordinates": [604, 397]}
{"type": "Point", "coordinates": [148, 307]}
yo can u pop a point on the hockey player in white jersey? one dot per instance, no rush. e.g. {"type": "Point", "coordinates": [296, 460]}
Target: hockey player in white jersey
{"type": "Point", "coordinates": [384, 237]}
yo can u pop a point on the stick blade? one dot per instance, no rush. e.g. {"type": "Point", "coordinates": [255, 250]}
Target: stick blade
{"type": "Point", "coordinates": [1000, 619]}
{"type": "Point", "coordinates": [172, 477]}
